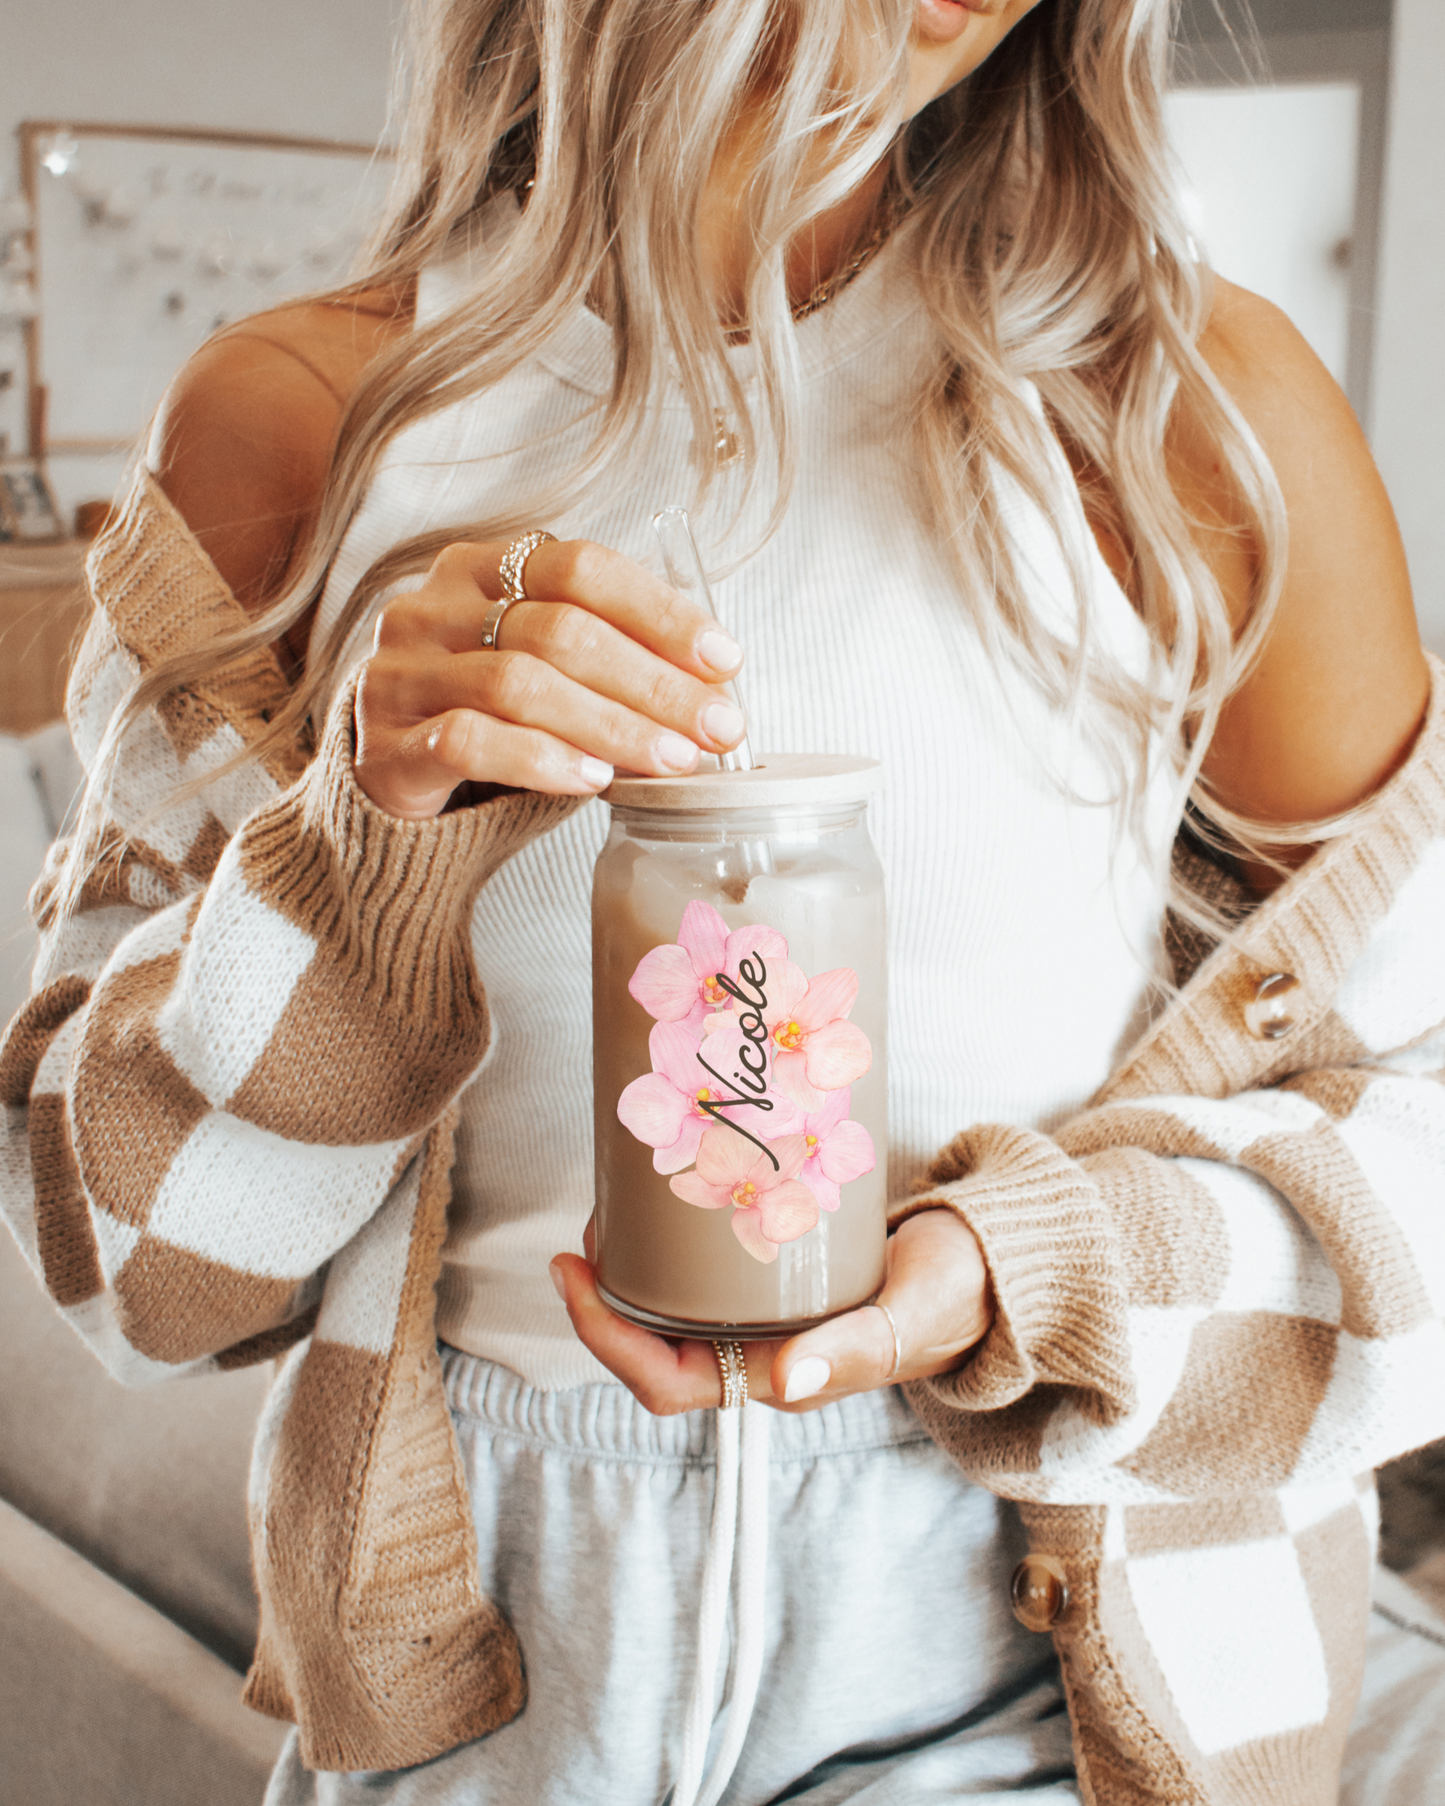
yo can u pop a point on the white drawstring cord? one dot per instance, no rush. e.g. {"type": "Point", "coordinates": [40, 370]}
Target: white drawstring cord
{"type": "Point", "coordinates": [752, 1571]}
{"type": "Point", "coordinates": [712, 1613]}
{"type": "Point", "coordinates": [742, 1472]}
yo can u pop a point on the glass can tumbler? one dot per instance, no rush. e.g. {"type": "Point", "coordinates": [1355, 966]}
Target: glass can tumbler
{"type": "Point", "coordinates": [740, 1009]}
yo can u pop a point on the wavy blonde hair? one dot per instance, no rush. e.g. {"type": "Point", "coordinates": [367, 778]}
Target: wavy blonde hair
{"type": "Point", "coordinates": [1040, 212]}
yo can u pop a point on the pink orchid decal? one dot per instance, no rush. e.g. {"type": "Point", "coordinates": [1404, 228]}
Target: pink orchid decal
{"type": "Point", "coordinates": [814, 1048]}
{"type": "Point", "coordinates": [679, 982]}
{"type": "Point", "coordinates": [770, 1204]}
{"type": "Point", "coordinates": [664, 1108]}
{"type": "Point", "coordinates": [838, 1150]}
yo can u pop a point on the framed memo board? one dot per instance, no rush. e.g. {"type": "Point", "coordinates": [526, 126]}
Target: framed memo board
{"type": "Point", "coordinates": [146, 239]}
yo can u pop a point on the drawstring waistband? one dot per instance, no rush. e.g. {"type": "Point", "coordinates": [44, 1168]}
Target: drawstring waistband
{"type": "Point", "coordinates": [742, 1492]}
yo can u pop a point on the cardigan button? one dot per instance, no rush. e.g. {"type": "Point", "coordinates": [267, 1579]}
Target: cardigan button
{"type": "Point", "coordinates": [1039, 1592]}
{"type": "Point", "coordinates": [1270, 1016]}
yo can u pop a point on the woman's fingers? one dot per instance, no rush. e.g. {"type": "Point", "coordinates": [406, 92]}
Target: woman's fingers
{"type": "Point", "coordinates": [464, 581]}
{"type": "Point", "coordinates": [665, 1376]}
{"type": "Point", "coordinates": [607, 667]}
{"type": "Point", "coordinates": [937, 1292]}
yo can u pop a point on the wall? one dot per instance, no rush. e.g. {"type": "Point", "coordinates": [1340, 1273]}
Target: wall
{"type": "Point", "coordinates": [1408, 419]}
{"type": "Point", "coordinates": [310, 67]}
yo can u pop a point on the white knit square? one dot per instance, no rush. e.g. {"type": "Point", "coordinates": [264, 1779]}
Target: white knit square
{"type": "Point", "coordinates": [1076, 1449]}
{"type": "Point", "coordinates": [236, 979]}
{"type": "Point", "coordinates": [363, 1287]}
{"type": "Point", "coordinates": [233, 797]}
{"type": "Point", "coordinates": [1384, 1395]}
{"type": "Point", "coordinates": [1275, 1263]}
{"type": "Point", "coordinates": [1235, 1635]}
{"type": "Point", "coordinates": [252, 1200]}
{"type": "Point", "coordinates": [1395, 990]}
{"type": "Point", "coordinates": [1311, 1503]}
{"type": "Point", "coordinates": [1397, 1136]}
{"type": "Point", "coordinates": [1235, 1123]}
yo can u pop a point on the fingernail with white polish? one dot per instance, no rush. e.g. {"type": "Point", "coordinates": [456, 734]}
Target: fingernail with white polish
{"type": "Point", "coordinates": [723, 723]}
{"type": "Point", "coordinates": [675, 753]}
{"type": "Point", "coordinates": [595, 772]}
{"type": "Point", "coordinates": [558, 1281]}
{"type": "Point", "coordinates": [808, 1376]}
{"type": "Point", "coordinates": [719, 650]}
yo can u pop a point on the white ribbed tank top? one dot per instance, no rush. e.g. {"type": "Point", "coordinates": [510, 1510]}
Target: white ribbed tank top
{"type": "Point", "coordinates": [1023, 935]}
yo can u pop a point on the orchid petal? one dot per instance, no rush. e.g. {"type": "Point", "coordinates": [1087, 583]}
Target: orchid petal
{"type": "Point", "coordinates": [788, 1211]}
{"type": "Point", "coordinates": [787, 986]}
{"type": "Point", "coordinates": [725, 1157]}
{"type": "Point", "coordinates": [824, 1189]}
{"type": "Point", "coordinates": [790, 1076]}
{"type": "Point", "coordinates": [848, 1153]}
{"type": "Point", "coordinates": [704, 937]}
{"type": "Point", "coordinates": [665, 983]}
{"type": "Point", "coordinates": [674, 1049]}
{"type": "Point", "coordinates": [748, 1228]}
{"type": "Point", "coordinates": [683, 1151]}
{"type": "Point", "coordinates": [823, 1122]}
{"type": "Point", "coordinates": [836, 1055]}
{"type": "Point", "coordinates": [754, 938]}
{"type": "Point", "coordinates": [790, 1151]}
{"type": "Point", "coordinates": [831, 994]}
{"type": "Point", "coordinates": [695, 1190]}
{"type": "Point", "coordinates": [653, 1109]}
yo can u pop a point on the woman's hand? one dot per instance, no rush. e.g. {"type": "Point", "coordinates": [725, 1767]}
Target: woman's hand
{"type": "Point", "coordinates": [936, 1288]}
{"type": "Point", "coordinates": [602, 666]}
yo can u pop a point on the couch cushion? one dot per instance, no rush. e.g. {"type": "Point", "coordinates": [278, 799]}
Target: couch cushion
{"type": "Point", "coordinates": [149, 1485]}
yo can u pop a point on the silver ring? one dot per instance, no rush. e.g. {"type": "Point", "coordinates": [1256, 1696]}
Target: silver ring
{"type": "Point", "coordinates": [879, 1305]}
{"type": "Point", "coordinates": [492, 625]}
{"type": "Point", "coordinates": [734, 1370]}
{"type": "Point", "coordinates": [514, 564]}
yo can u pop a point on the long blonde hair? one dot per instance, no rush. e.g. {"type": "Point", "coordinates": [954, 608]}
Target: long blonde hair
{"type": "Point", "coordinates": [1040, 212]}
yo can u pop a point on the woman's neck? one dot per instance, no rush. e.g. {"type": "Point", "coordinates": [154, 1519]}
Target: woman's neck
{"type": "Point", "coordinates": [814, 258]}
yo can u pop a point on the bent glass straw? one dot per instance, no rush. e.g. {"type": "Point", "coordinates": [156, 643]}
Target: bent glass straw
{"type": "Point", "coordinates": [685, 572]}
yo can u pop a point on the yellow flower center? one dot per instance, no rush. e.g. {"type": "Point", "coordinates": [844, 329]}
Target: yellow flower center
{"type": "Point", "coordinates": [788, 1035]}
{"type": "Point", "coordinates": [713, 991]}
{"type": "Point", "coordinates": [812, 1141]}
{"type": "Point", "coordinates": [744, 1195]}
{"type": "Point", "coordinates": [703, 1095]}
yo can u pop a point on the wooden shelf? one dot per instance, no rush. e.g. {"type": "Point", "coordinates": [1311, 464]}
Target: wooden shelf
{"type": "Point", "coordinates": [43, 610]}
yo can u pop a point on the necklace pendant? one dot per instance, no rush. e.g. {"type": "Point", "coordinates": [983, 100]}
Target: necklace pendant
{"type": "Point", "coordinates": [726, 443]}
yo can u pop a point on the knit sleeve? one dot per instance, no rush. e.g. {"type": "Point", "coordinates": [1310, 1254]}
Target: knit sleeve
{"type": "Point", "coordinates": [240, 1033]}
{"type": "Point", "coordinates": [1229, 1274]}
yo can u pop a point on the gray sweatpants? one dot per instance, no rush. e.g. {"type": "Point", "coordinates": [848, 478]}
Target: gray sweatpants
{"type": "Point", "coordinates": [894, 1672]}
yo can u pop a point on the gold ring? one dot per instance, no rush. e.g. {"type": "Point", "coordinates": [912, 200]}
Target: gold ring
{"type": "Point", "coordinates": [879, 1305]}
{"type": "Point", "coordinates": [514, 564]}
{"type": "Point", "coordinates": [734, 1370]}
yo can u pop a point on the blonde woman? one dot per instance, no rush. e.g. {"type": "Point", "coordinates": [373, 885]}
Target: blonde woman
{"type": "Point", "coordinates": [1003, 488]}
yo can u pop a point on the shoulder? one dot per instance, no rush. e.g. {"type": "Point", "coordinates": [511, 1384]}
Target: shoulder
{"type": "Point", "coordinates": [1336, 696]}
{"type": "Point", "coordinates": [243, 438]}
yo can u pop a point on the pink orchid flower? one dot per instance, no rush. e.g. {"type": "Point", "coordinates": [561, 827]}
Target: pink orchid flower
{"type": "Point", "coordinates": [771, 1205]}
{"type": "Point", "coordinates": [679, 982]}
{"type": "Point", "coordinates": [664, 1108]}
{"type": "Point", "coordinates": [814, 1048]}
{"type": "Point", "coordinates": [838, 1150]}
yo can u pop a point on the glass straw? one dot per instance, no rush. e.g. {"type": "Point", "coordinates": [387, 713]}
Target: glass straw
{"type": "Point", "coordinates": [685, 572]}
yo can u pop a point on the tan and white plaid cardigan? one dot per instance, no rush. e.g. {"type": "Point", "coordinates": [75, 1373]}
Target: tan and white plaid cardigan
{"type": "Point", "coordinates": [1220, 1289]}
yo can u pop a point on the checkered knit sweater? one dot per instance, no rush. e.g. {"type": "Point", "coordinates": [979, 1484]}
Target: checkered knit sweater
{"type": "Point", "coordinates": [1219, 1290]}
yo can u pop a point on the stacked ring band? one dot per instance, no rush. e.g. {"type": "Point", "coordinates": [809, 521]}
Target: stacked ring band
{"type": "Point", "coordinates": [878, 1305]}
{"type": "Point", "coordinates": [513, 574]}
{"type": "Point", "coordinates": [734, 1371]}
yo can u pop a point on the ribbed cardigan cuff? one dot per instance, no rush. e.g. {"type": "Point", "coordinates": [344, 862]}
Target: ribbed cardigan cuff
{"type": "Point", "coordinates": [1051, 1250]}
{"type": "Point", "coordinates": [390, 899]}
